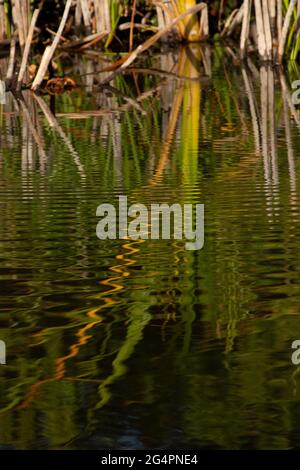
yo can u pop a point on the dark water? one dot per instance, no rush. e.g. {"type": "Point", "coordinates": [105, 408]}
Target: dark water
{"type": "Point", "coordinates": [143, 344]}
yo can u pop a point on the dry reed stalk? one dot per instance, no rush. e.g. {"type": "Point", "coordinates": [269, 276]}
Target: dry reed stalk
{"type": "Point", "coordinates": [245, 26]}
{"type": "Point", "coordinates": [78, 14]}
{"type": "Point", "coordinates": [11, 61]}
{"type": "Point", "coordinates": [85, 10]}
{"type": "Point", "coordinates": [102, 15]}
{"type": "Point", "coordinates": [107, 21]}
{"type": "Point", "coordinates": [16, 16]}
{"type": "Point", "coordinates": [99, 17]}
{"type": "Point", "coordinates": [285, 29]}
{"type": "Point", "coordinates": [53, 33]}
{"type": "Point", "coordinates": [2, 20]}
{"type": "Point", "coordinates": [2, 92]}
{"type": "Point", "coordinates": [27, 48]}
{"type": "Point", "coordinates": [20, 12]}
{"type": "Point", "coordinates": [234, 20]}
{"type": "Point", "coordinates": [24, 14]}
{"type": "Point", "coordinates": [47, 56]}
{"type": "Point", "coordinates": [160, 17]}
{"type": "Point", "coordinates": [83, 43]}
{"type": "Point", "coordinates": [228, 22]}
{"type": "Point", "coordinates": [279, 20]}
{"type": "Point", "coordinates": [204, 24]}
{"type": "Point", "coordinates": [49, 51]}
{"type": "Point", "coordinates": [172, 9]}
{"type": "Point", "coordinates": [166, 11]}
{"type": "Point", "coordinates": [262, 46]}
{"type": "Point", "coordinates": [95, 40]}
{"type": "Point", "coordinates": [272, 11]}
{"type": "Point", "coordinates": [267, 28]}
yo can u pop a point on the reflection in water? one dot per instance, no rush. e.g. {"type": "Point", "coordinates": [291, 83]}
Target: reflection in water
{"type": "Point", "coordinates": [144, 344]}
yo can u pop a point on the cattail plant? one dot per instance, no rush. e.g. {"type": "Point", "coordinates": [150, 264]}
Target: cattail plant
{"type": "Point", "coordinates": [190, 28]}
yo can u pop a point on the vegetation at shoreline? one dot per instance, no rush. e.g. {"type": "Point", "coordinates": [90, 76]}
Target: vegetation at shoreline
{"type": "Point", "coordinates": [35, 32]}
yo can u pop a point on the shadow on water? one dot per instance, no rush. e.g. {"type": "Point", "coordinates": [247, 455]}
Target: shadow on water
{"type": "Point", "coordinates": [137, 344]}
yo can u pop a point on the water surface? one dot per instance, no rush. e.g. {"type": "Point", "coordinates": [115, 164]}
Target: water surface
{"type": "Point", "coordinates": [143, 344]}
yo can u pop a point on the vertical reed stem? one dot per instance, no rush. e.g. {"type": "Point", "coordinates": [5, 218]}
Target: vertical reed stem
{"type": "Point", "coordinates": [245, 26]}
{"type": "Point", "coordinates": [27, 48]}
{"type": "Point", "coordinates": [285, 28]}
{"type": "Point", "coordinates": [279, 19]}
{"type": "Point", "coordinates": [78, 14]}
{"type": "Point", "coordinates": [11, 62]}
{"type": "Point", "coordinates": [86, 15]}
{"type": "Point", "coordinates": [260, 30]}
{"type": "Point", "coordinates": [2, 20]}
{"type": "Point", "coordinates": [272, 12]}
{"type": "Point", "coordinates": [204, 24]}
{"type": "Point", "coordinates": [267, 28]}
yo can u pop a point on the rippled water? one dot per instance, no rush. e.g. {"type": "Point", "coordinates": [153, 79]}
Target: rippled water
{"type": "Point", "coordinates": [143, 344]}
